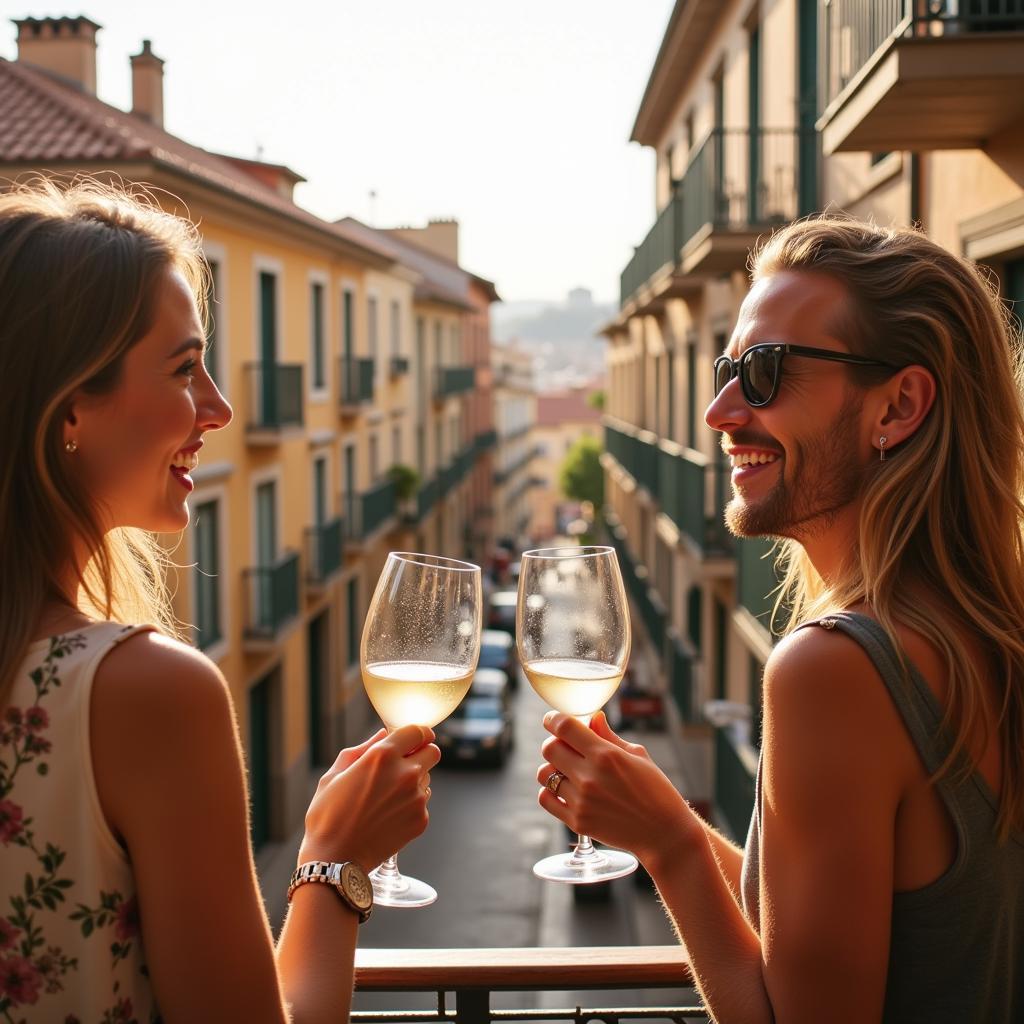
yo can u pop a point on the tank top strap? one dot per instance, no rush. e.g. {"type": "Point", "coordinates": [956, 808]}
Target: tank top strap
{"type": "Point", "coordinates": [911, 695]}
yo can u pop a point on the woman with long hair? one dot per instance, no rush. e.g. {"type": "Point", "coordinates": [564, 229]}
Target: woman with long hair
{"type": "Point", "coordinates": [870, 400]}
{"type": "Point", "coordinates": [127, 884]}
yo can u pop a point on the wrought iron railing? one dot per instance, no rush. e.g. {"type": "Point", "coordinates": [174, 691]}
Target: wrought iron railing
{"type": "Point", "coordinates": [471, 976]}
{"type": "Point", "coordinates": [357, 375]}
{"type": "Point", "coordinates": [854, 31]}
{"type": "Point", "coordinates": [659, 249]}
{"type": "Point", "coordinates": [275, 396]}
{"type": "Point", "coordinates": [272, 596]}
{"type": "Point", "coordinates": [679, 670]}
{"type": "Point", "coordinates": [373, 508]}
{"type": "Point", "coordinates": [453, 380]}
{"type": "Point", "coordinates": [757, 582]}
{"type": "Point", "coordinates": [735, 774]}
{"type": "Point", "coordinates": [324, 549]}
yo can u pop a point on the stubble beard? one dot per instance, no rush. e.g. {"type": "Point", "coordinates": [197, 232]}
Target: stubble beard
{"type": "Point", "coordinates": [826, 479]}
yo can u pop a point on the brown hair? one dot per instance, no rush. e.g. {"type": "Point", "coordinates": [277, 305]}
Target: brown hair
{"type": "Point", "coordinates": [80, 265]}
{"type": "Point", "coordinates": [941, 544]}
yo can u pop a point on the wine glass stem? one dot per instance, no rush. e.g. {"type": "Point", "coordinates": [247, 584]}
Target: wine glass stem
{"type": "Point", "coordinates": [584, 847]}
{"type": "Point", "coordinates": [388, 871]}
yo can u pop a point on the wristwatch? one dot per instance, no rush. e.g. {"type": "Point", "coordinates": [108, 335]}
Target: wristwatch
{"type": "Point", "coordinates": [348, 880]}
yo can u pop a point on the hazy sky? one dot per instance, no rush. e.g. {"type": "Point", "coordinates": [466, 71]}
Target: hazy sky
{"type": "Point", "coordinates": [512, 117]}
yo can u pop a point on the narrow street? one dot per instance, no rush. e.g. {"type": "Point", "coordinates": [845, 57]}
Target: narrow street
{"type": "Point", "coordinates": [486, 831]}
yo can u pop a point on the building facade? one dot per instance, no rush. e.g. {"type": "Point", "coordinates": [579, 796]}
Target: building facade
{"type": "Point", "coordinates": [760, 113]}
{"type": "Point", "coordinates": [336, 357]}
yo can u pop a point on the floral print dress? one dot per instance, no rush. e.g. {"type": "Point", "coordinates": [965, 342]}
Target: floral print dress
{"type": "Point", "coordinates": [70, 946]}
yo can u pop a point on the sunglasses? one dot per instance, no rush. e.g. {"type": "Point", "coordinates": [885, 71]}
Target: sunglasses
{"type": "Point", "coordinates": [760, 368]}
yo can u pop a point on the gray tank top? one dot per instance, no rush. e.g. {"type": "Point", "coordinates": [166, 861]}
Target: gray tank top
{"type": "Point", "coordinates": [957, 945]}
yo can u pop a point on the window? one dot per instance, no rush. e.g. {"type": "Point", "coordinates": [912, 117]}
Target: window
{"type": "Point", "coordinates": [320, 499]}
{"type": "Point", "coordinates": [317, 355]}
{"type": "Point", "coordinates": [213, 355]}
{"type": "Point", "coordinates": [207, 575]}
{"type": "Point", "coordinates": [347, 329]}
{"type": "Point", "coordinates": [374, 458]}
{"type": "Point", "coordinates": [371, 325]}
{"type": "Point", "coordinates": [352, 595]}
{"type": "Point", "coordinates": [396, 328]}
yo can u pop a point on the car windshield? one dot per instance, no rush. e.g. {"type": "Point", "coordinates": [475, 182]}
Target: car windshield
{"type": "Point", "coordinates": [478, 707]}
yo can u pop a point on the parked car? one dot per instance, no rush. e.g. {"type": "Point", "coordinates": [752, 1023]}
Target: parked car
{"type": "Point", "coordinates": [501, 611]}
{"type": "Point", "coordinates": [480, 729]}
{"type": "Point", "coordinates": [498, 650]}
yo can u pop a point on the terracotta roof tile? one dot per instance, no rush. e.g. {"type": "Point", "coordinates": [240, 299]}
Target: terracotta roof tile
{"type": "Point", "coordinates": [45, 121]}
{"type": "Point", "coordinates": [558, 407]}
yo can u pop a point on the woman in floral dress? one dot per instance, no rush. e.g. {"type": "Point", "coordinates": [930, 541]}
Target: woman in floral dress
{"type": "Point", "coordinates": [127, 884]}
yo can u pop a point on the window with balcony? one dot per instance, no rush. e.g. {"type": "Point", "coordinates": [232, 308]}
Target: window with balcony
{"type": "Point", "coordinates": [206, 533]}
{"type": "Point", "coordinates": [347, 325]}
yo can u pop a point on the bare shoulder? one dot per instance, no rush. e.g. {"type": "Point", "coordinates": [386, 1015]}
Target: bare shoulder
{"type": "Point", "coordinates": [151, 675]}
{"type": "Point", "coordinates": [823, 695]}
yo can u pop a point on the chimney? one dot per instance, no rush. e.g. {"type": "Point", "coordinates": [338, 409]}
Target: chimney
{"type": "Point", "coordinates": [439, 236]}
{"type": "Point", "coordinates": [148, 86]}
{"type": "Point", "coordinates": [64, 47]}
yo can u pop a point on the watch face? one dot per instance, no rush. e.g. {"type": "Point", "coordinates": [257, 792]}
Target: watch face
{"type": "Point", "coordinates": [357, 886]}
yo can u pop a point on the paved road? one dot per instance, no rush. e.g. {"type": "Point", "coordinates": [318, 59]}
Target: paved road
{"type": "Point", "coordinates": [486, 831]}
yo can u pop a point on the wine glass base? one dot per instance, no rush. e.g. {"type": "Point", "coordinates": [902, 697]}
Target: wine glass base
{"type": "Point", "coordinates": [401, 891]}
{"type": "Point", "coordinates": [601, 866]}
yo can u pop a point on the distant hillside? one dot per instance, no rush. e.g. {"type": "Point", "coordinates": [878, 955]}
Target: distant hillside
{"type": "Point", "coordinates": [562, 336]}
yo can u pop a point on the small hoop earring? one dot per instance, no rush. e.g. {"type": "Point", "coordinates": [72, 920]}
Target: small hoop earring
{"type": "Point", "coordinates": [71, 446]}
{"type": "Point", "coordinates": [882, 441]}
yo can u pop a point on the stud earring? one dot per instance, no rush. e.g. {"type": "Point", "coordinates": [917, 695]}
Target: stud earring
{"type": "Point", "coordinates": [881, 447]}
{"type": "Point", "coordinates": [71, 446]}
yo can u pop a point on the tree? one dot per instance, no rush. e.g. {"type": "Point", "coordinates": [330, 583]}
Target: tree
{"type": "Point", "coordinates": [596, 400]}
{"type": "Point", "coordinates": [582, 477]}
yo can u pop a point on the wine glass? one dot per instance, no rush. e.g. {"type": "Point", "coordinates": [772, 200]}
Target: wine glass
{"type": "Point", "coordinates": [572, 631]}
{"type": "Point", "coordinates": [420, 646]}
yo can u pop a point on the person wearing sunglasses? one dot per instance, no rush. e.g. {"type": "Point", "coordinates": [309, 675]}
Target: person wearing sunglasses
{"type": "Point", "coordinates": [870, 403]}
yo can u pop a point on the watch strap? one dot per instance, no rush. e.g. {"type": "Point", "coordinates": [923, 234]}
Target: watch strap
{"type": "Point", "coordinates": [327, 873]}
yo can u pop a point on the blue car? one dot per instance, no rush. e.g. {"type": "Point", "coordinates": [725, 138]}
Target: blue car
{"type": "Point", "coordinates": [480, 729]}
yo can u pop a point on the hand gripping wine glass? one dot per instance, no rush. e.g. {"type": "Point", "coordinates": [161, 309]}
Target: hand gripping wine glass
{"type": "Point", "coordinates": [419, 650]}
{"type": "Point", "coordinates": [573, 635]}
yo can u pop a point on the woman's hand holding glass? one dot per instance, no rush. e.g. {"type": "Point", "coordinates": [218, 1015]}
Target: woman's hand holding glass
{"type": "Point", "coordinates": [373, 800]}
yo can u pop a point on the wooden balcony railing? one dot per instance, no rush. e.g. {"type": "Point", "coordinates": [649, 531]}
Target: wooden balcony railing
{"type": "Point", "coordinates": [471, 976]}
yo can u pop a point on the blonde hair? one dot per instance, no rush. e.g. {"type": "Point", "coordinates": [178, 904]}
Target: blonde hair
{"type": "Point", "coordinates": [80, 265]}
{"type": "Point", "coordinates": [940, 545]}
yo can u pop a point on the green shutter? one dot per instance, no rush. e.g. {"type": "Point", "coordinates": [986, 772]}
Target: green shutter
{"type": "Point", "coordinates": [317, 313]}
{"type": "Point", "coordinates": [207, 569]}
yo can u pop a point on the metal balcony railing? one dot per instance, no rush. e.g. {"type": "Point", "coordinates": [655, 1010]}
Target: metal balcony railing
{"type": "Point", "coordinates": [679, 670]}
{"type": "Point", "coordinates": [486, 440]}
{"type": "Point", "coordinates": [684, 477]}
{"type": "Point", "coordinates": [453, 380]}
{"type": "Point", "coordinates": [737, 179]}
{"type": "Point", "coordinates": [357, 375]}
{"type": "Point", "coordinates": [756, 580]}
{"type": "Point", "coordinates": [275, 396]}
{"type": "Point", "coordinates": [735, 774]}
{"type": "Point", "coordinates": [426, 497]}
{"type": "Point", "coordinates": [399, 365]}
{"type": "Point", "coordinates": [501, 475]}
{"type": "Point", "coordinates": [272, 596]}
{"type": "Point", "coordinates": [471, 976]}
{"type": "Point", "coordinates": [324, 550]}
{"type": "Point", "coordinates": [855, 30]}
{"type": "Point", "coordinates": [375, 507]}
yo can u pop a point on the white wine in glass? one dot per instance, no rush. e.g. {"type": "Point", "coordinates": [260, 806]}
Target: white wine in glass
{"type": "Point", "coordinates": [573, 635]}
{"type": "Point", "coordinates": [420, 647]}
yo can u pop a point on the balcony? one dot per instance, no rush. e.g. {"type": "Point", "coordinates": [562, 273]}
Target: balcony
{"type": "Point", "coordinates": [426, 498]}
{"type": "Point", "coordinates": [472, 975]}
{"type": "Point", "coordinates": [370, 511]}
{"type": "Point", "coordinates": [735, 774]}
{"type": "Point", "coordinates": [739, 183]}
{"type": "Point", "coordinates": [896, 77]}
{"type": "Point", "coordinates": [356, 376]}
{"type": "Point", "coordinates": [398, 366]}
{"type": "Point", "coordinates": [692, 491]}
{"type": "Point", "coordinates": [757, 581]}
{"type": "Point", "coordinates": [647, 600]}
{"type": "Point", "coordinates": [453, 380]}
{"type": "Point", "coordinates": [324, 551]}
{"type": "Point", "coordinates": [502, 475]}
{"type": "Point", "coordinates": [272, 599]}
{"type": "Point", "coordinates": [275, 401]}
{"type": "Point", "coordinates": [635, 451]}
{"type": "Point", "coordinates": [486, 440]}
{"type": "Point", "coordinates": [679, 670]}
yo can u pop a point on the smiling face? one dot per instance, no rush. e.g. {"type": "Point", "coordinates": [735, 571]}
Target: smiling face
{"type": "Point", "coordinates": [799, 462]}
{"type": "Point", "coordinates": [137, 442]}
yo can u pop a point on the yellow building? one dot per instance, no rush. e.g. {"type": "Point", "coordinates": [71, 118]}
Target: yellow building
{"type": "Point", "coordinates": [919, 118]}
{"type": "Point", "coordinates": [319, 343]}
{"type": "Point", "coordinates": [515, 416]}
